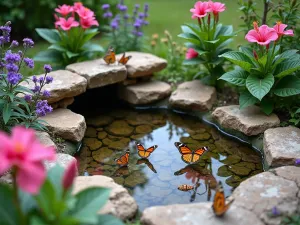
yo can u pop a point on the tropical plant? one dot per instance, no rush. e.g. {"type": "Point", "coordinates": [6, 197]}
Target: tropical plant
{"type": "Point", "coordinates": [71, 40]}
{"type": "Point", "coordinates": [19, 104]}
{"type": "Point", "coordinates": [126, 31]}
{"type": "Point", "coordinates": [207, 39]}
{"type": "Point", "coordinates": [262, 72]}
{"type": "Point", "coordinates": [40, 197]}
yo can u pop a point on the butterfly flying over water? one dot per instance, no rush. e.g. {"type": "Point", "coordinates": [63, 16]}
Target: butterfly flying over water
{"type": "Point", "coordinates": [189, 156]}
{"type": "Point", "coordinates": [145, 153]}
{"type": "Point", "coordinates": [221, 204]}
{"type": "Point", "coordinates": [124, 159]}
{"type": "Point", "coordinates": [124, 59]}
{"type": "Point", "coordinates": [148, 163]}
{"type": "Point", "coordinates": [110, 57]}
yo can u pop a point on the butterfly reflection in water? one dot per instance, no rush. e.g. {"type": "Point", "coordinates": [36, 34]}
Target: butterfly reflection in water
{"type": "Point", "coordinates": [221, 204]}
{"type": "Point", "coordinates": [148, 163]}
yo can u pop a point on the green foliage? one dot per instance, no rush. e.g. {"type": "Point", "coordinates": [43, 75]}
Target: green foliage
{"type": "Point", "coordinates": [248, 8]}
{"type": "Point", "coordinates": [291, 220]}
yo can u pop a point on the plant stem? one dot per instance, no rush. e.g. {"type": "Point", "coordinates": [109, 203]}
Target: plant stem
{"type": "Point", "coordinates": [265, 14]}
{"type": "Point", "coordinates": [16, 196]}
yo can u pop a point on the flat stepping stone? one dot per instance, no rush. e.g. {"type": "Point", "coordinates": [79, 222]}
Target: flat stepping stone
{"type": "Point", "coordinates": [145, 93]}
{"type": "Point", "coordinates": [66, 124]}
{"type": "Point", "coordinates": [120, 204]}
{"type": "Point", "coordinates": [193, 95]}
{"type": "Point", "coordinates": [98, 73]}
{"type": "Point", "coordinates": [143, 64]}
{"type": "Point", "coordinates": [282, 146]}
{"type": "Point", "coordinates": [45, 139]}
{"type": "Point", "coordinates": [250, 121]}
{"type": "Point", "coordinates": [65, 85]}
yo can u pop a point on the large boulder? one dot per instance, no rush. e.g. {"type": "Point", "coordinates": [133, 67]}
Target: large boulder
{"type": "Point", "coordinates": [66, 124]}
{"type": "Point", "coordinates": [62, 159]}
{"type": "Point", "coordinates": [193, 95]}
{"type": "Point", "coordinates": [45, 139]}
{"type": "Point", "coordinates": [145, 93]}
{"type": "Point", "coordinates": [281, 146]}
{"type": "Point", "coordinates": [98, 73]}
{"type": "Point", "coordinates": [250, 121]}
{"type": "Point", "coordinates": [120, 203]}
{"type": "Point", "coordinates": [143, 64]}
{"type": "Point", "coordinates": [65, 85]}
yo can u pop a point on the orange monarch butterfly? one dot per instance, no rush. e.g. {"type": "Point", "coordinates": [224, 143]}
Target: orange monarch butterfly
{"type": "Point", "coordinates": [110, 56]}
{"type": "Point", "coordinates": [148, 163]}
{"type": "Point", "coordinates": [220, 205]}
{"type": "Point", "coordinates": [145, 153]}
{"type": "Point", "coordinates": [124, 59]}
{"type": "Point", "coordinates": [189, 156]}
{"type": "Point", "coordinates": [123, 160]}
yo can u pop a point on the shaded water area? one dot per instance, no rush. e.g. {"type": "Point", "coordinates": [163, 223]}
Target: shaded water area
{"type": "Point", "coordinates": [155, 181]}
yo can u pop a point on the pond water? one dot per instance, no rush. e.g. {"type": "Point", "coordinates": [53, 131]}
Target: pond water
{"type": "Point", "coordinates": [155, 181]}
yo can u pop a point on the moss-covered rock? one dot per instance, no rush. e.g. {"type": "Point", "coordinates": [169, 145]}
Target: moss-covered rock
{"type": "Point", "coordinates": [99, 121]}
{"type": "Point", "coordinates": [102, 154]}
{"type": "Point", "coordinates": [92, 143]}
{"type": "Point", "coordinates": [120, 128]}
{"type": "Point", "coordinates": [137, 177]}
{"type": "Point", "coordinates": [143, 129]}
{"type": "Point", "coordinates": [101, 135]}
{"type": "Point", "coordinates": [240, 170]}
{"type": "Point", "coordinates": [231, 159]}
{"type": "Point", "coordinates": [90, 132]}
{"type": "Point", "coordinates": [223, 171]}
{"type": "Point", "coordinates": [201, 137]}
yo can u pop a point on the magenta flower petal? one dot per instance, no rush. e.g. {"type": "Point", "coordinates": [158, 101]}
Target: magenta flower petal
{"type": "Point", "coordinates": [200, 9]}
{"type": "Point", "coordinates": [69, 175]}
{"type": "Point", "coordinates": [252, 36]}
{"type": "Point", "coordinates": [191, 53]}
{"type": "Point", "coordinates": [5, 147]}
{"type": "Point", "coordinates": [22, 136]}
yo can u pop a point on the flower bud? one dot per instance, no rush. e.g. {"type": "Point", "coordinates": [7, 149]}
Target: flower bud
{"type": "Point", "coordinates": [164, 40]}
{"type": "Point", "coordinates": [69, 175]}
{"type": "Point", "coordinates": [155, 36]}
{"type": "Point", "coordinates": [255, 55]}
{"type": "Point", "coordinates": [153, 43]}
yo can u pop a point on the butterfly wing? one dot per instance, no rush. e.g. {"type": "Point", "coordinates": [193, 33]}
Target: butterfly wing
{"type": "Point", "coordinates": [198, 153]}
{"type": "Point", "coordinates": [124, 59]}
{"type": "Point", "coordinates": [185, 151]}
{"type": "Point", "coordinates": [124, 159]}
{"type": "Point", "coordinates": [142, 152]}
{"type": "Point", "coordinates": [151, 167]}
{"type": "Point", "coordinates": [219, 205]}
{"type": "Point", "coordinates": [110, 56]}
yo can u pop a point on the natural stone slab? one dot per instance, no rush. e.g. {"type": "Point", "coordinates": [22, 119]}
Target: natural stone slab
{"type": "Point", "coordinates": [289, 173]}
{"type": "Point", "coordinates": [61, 159]}
{"type": "Point", "coordinates": [98, 73]}
{"type": "Point", "coordinates": [66, 124]}
{"type": "Point", "coordinates": [194, 214]}
{"type": "Point", "coordinates": [64, 103]}
{"type": "Point", "coordinates": [65, 85]}
{"type": "Point", "coordinates": [143, 64]}
{"type": "Point", "coordinates": [145, 93]}
{"type": "Point", "coordinates": [193, 95]}
{"type": "Point", "coordinates": [45, 139]}
{"type": "Point", "coordinates": [281, 146]}
{"type": "Point", "coordinates": [120, 203]}
{"type": "Point", "coordinates": [250, 121]}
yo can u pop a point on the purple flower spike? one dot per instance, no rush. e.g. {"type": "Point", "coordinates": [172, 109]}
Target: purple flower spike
{"type": "Point", "coordinates": [41, 80]}
{"type": "Point", "coordinates": [11, 67]}
{"type": "Point", "coordinates": [146, 7]}
{"type": "Point", "coordinates": [34, 79]}
{"type": "Point", "coordinates": [28, 43]}
{"type": "Point", "coordinates": [28, 98]}
{"type": "Point", "coordinates": [13, 78]}
{"type": "Point", "coordinates": [12, 57]}
{"type": "Point", "coordinates": [137, 6]}
{"type": "Point", "coordinates": [123, 8]}
{"type": "Point", "coordinates": [2, 40]}
{"type": "Point", "coordinates": [114, 24]}
{"type": "Point", "coordinates": [107, 15]}
{"type": "Point", "coordinates": [47, 68]}
{"type": "Point", "coordinates": [14, 44]}
{"type": "Point", "coordinates": [297, 162]}
{"type": "Point", "coordinates": [42, 108]}
{"type": "Point", "coordinates": [105, 6]}
{"type": "Point", "coordinates": [36, 89]}
{"type": "Point", "coordinates": [29, 62]}
{"type": "Point", "coordinates": [275, 211]}
{"type": "Point", "coordinates": [49, 79]}
{"type": "Point", "coordinates": [141, 15]}
{"type": "Point", "coordinates": [46, 93]}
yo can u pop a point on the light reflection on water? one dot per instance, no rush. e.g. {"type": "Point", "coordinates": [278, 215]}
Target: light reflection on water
{"type": "Point", "coordinates": [227, 160]}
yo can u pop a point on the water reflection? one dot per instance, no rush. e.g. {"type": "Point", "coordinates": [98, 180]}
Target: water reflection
{"type": "Point", "coordinates": [155, 181]}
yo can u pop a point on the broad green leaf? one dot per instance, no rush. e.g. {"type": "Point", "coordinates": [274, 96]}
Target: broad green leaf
{"type": "Point", "coordinates": [50, 35]}
{"type": "Point", "coordinates": [287, 86]}
{"type": "Point", "coordinates": [212, 41]}
{"type": "Point", "coordinates": [27, 202]}
{"type": "Point", "coordinates": [287, 67]}
{"type": "Point", "coordinates": [6, 112]}
{"type": "Point", "coordinates": [285, 55]}
{"type": "Point", "coordinates": [189, 29]}
{"type": "Point", "coordinates": [93, 47]}
{"type": "Point", "coordinates": [224, 39]}
{"type": "Point", "coordinates": [297, 111]}
{"type": "Point", "coordinates": [247, 99]}
{"type": "Point", "coordinates": [223, 30]}
{"type": "Point", "coordinates": [109, 220]}
{"type": "Point", "coordinates": [190, 37]}
{"type": "Point", "coordinates": [194, 61]}
{"type": "Point", "coordinates": [58, 48]}
{"type": "Point", "coordinates": [237, 77]}
{"type": "Point", "coordinates": [8, 212]}
{"type": "Point", "coordinates": [246, 50]}
{"type": "Point", "coordinates": [55, 174]}
{"type": "Point", "coordinates": [238, 58]}
{"type": "Point", "coordinates": [267, 106]}
{"type": "Point", "coordinates": [263, 60]}
{"type": "Point", "coordinates": [89, 201]}
{"type": "Point", "coordinates": [259, 87]}
{"type": "Point", "coordinates": [71, 54]}
{"type": "Point", "coordinates": [49, 56]}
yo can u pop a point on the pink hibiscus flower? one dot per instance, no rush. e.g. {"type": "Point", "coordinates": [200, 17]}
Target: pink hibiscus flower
{"type": "Point", "coordinates": [64, 9]}
{"type": "Point", "coordinates": [88, 22]}
{"type": "Point", "coordinates": [200, 9]}
{"type": "Point", "coordinates": [216, 7]}
{"type": "Point", "coordinates": [24, 152]}
{"type": "Point", "coordinates": [191, 53]}
{"type": "Point", "coordinates": [262, 35]}
{"type": "Point", "coordinates": [77, 6]}
{"type": "Point", "coordinates": [85, 13]}
{"type": "Point", "coordinates": [280, 29]}
{"type": "Point", "coordinates": [66, 24]}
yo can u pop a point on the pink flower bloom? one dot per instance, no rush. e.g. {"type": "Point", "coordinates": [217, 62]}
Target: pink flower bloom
{"type": "Point", "coordinates": [77, 6]}
{"type": "Point", "coordinates": [191, 53]}
{"type": "Point", "coordinates": [216, 7]}
{"type": "Point", "coordinates": [23, 151]}
{"type": "Point", "coordinates": [200, 9]}
{"type": "Point", "coordinates": [66, 24]}
{"type": "Point", "coordinates": [280, 29]}
{"type": "Point", "coordinates": [85, 13]}
{"type": "Point", "coordinates": [87, 23]}
{"type": "Point", "coordinates": [262, 35]}
{"type": "Point", "coordinates": [70, 175]}
{"type": "Point", "coordinates": [64, 9]}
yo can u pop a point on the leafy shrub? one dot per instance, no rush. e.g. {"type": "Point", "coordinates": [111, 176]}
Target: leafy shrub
{"type": "Point", "coordinates": [207, 39]}
{"type": "Point", "coordinates": [126, 31]}
{"type": "Point", "coordinates": [70, 42]}
{"type": "Point", "coordinates": [14, 108]}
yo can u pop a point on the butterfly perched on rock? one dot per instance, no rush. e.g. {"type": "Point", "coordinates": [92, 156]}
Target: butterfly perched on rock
{"type": "Point", "coordinates": [110, 57]}
{"type": "Point", "coordinates": [145, 153]}
{"type": "Point", "coordinates": [188, 155]}
{"type": "Point", "coordinates": [124, 59]}
{"type": "Point", "coordinates": [221, 204]}
{"type": "Point", "coordinates": [124, 159]}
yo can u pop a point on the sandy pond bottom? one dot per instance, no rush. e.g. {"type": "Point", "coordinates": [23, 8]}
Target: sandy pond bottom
{"type": "Point", "coordinates": [155, 181]}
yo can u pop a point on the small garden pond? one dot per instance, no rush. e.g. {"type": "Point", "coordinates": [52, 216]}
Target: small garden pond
{"type": "Point", "coordinates": [155, 181]}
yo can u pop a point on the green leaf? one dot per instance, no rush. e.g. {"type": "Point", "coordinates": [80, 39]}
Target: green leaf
{"type": "Point", "coordinates": [267, 106]}
{"type": "Point", "coordinates": [6, 112]}
{"type": "Point", "coordinates": [195, 61]}
{"type": "Point", "coordinates": [259, 87]}
{"type": "Point", "coordinates": [50, 35]}
{"type": "Point", "coordinates": [287, 67]}
{"type": "Point", "coordinates": [263, 60]}
{"type": "Point", "coordinates": [109, 220]}
{"type": "Point", "coordinates": [89, 47]}
{"type": "Point", "coordinates": [55, 174]}
{"type": "Point", "coordinates": [237, 77]}
{"type": "Point", "coordinates": [58, 48]}
{"type": "Point", "coordinates": [89, 201]}
{"type": "Point", "coordinates": [246, 50]}
{"type": "Point", "coordinates": [247, 99]}
{"type": "Point", "coordinates": [190, 37]}
{"type": "Point", "coordinates": [285, 55]}
{"type": "Point", "coordinates": [238, 58]}
{"type": "Point", "coordinates": [288, 86]}
{"type": "Point", "coordinates": [223, 30]}
{"type": "Point", "coordinates": [49, 56]}
{"type": "Point", "coordinates": [27, 202]}
{"type": "Point", "coordinates": [8, 212]}
{"type": "Point", "coordinates": [71, 54]}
